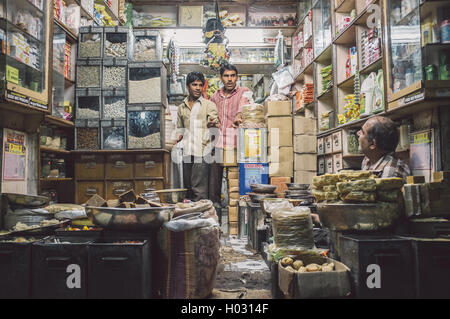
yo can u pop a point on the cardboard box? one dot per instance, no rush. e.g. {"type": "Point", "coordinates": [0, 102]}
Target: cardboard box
{"type": "Point", "coordinates": [337, 163]}
{"type": "Point", "coordinates": [328, 144]}
{"type": "Point", "coordinates": [281, 154]}
{"type": "Point", "coordinates": [280, 182]}
{"type": "Point", "coordinates": [233, 169]}
{"type": "Point", "coordinates": [233, 228]}
{"type": "Point", "coordinates": [233, 202]}
{"type": "Point", "coordinates": [305, 144]}
{"type": "Point", "coordinates": [415, 179]}
{"type": "Point", "coordinates": [233, 175]}
{"type": "Point", "coordinates": [305, 126]}
{"type": "Point", "coordinates": [278, 108]}
{"type": "Point", "coordinates": [297, 285]}
{"type": "Point", "coordinates": [233, 183]}
{"type": "Point", "coordinates": [304, 177]}
{"type": "Point", "coordinates": [234, 195]}
{"type": "Point", "coordinates": [283, 169]}
{"type": "Point", "coordinates": [305, 162]}
{"type": "Point", "coordinates": [337, 142]}
{"type": "Point", "coordinates": [233, 214]}
{"type": "Point", "coordinates": [252, 145]}
{"type": "Point", "coordinates": [230, 157]}
{"type": "Point", "coordinates": [282, 123]}
{"type": "Point", "coordinates": [280, 138]}
{"type": "Point", "coordinates": [252, 173]}
{"type": "Point", "coordinates": [233, 189]}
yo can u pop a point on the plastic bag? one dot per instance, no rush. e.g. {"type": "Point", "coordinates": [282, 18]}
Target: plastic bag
{"type": "Point", "coordinates": [293, 229]}
{"type": "Point", "coordinates": [284, 77]}
{"type": "Point", "coordinates": [277, 97]}
{"type": "Point", "coordinates": [367, 93]}
{"type": "Point", "coordinates": [253, 116]}
{"type": "Point", "coordinates": [184, 224]}
{"type": "Point", "coordinates": [272, 206]}
{"type": "Point", "coordinates": [71, 214]}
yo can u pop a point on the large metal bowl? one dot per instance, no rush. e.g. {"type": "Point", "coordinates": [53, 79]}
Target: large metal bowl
{"type": "Point", "coordinates": [172, 196]}
{"type": "Point", "coordinates": [297, 187]}
{"type": "Point", "coordinates": [26, 200]}
{"type": "Point", "coordinates": [263, 188]}
{"type": "Point", "coordinates": [130, 218]}
{"type": "Point", "coordinates": [361, 217]}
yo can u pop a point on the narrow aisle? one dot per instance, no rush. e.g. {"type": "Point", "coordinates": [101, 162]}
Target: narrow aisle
{"type": "Point", "coordinates": [242, 273]}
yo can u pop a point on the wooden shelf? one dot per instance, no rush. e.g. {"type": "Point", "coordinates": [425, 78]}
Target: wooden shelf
{"type": "Point", "coordinates": [352, 155]}
{"type": "Point", "coordinates": [58, 121]}
{"type": "Point", "coordinates": [347, 36]}
{"type": "Point", "coordinates": [53, 150]}
{"type": "Point", "coordinates": [327, 94]}
{"type": "Point", "coordinates": [345, 6]}
{"type": "Point", "coordinates": [56, 179]}
{"type": "Point", "coordinates": [72, 35]}
{"type": "Point", "coordinates": [376, 65]}
{"type": "Point", "coordinates": [348, 83]}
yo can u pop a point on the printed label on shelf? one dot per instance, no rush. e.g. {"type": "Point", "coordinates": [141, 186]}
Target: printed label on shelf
{"type": "Point", "coordinates": [25, 100]}
{"type": "Point", "coordinates": [410, 99]}
{"type": "Point", "coordinates": [37, 103]}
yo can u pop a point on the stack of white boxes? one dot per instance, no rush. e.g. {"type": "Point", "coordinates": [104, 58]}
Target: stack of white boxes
{"type": "Point", "coordinates": [281, 152]}
{"type": "Point", "coordinates": [305, 148]}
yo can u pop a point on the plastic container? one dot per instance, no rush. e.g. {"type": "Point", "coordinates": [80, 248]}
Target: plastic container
{"type": "Point", "coordinates": [114, 73]}
{"type": "Point", "coordinates": [114, 104]}
{"type": "Point", "coordinates": [147, 46]}
{"type": "Point", "coordinates": [145, 127]}
{"type": "Point", "coordinates": [90, 43]}
{"type": "Point", "coordinates": [89, 73]}
{"type": "Point", "coordinates": [88, 103]}
{"type": "Point", "coordinates": [147, 83]}
{"type": "Point", "coordinates": [116, 42]}
{"type": "Point", "coordinates": [113, 134]}
{"type": "Point", "coordinates": [87, 135]}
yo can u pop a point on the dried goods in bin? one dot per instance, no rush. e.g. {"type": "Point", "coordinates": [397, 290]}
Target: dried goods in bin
{"type": "Point", "coordinates": [144, 85]}
{"type": "Point", "coordinates": [114, 138]}
{"type": "Point", "coordinates": [88, 107]}
{"type": "Point", "coordinates": [90, 45]}
{"type": "Point", "coordinates": [87, 138]}
{"type": "Point", "coordinates": [114, 107]}
{"type": "Point", "coordinates": [116, 44]}
{"type": "Point", "coordinates": [114, 76]}
{"type": "Point", "coordinates": [88, 76]}
{"type": "Point", "coordinates": [144, 129]}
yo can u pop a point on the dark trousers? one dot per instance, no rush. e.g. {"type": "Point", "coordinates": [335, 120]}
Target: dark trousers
{"type": "Point", "coordinates": [196, 178]}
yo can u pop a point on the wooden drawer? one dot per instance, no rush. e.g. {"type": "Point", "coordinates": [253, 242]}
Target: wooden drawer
{"type": "Point", "coordinates": [149, 165]}
{"type": "Point", "coordinates": [328, 144]}
{"type": "Point", "coordinates": [321, 164]}
{"type": "Point", "coordinates": [337, 142]}
{"type": "Point", "coordinates": [115, 188]}
{"type": "Point", "coordinates": [119, 166]}
{"type": "Point", "coordinates": [144, 186]}
{"type": "Point", "coordinates": [329, 164]}
{"type": "Point", "coordinates": [85, 190]}
{"type": "Point", "coordinates": [337, 162]}
{"type": "Point", "coordinates": [89, 167]}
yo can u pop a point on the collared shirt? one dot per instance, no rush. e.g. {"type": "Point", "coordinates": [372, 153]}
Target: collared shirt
{"type": "Point", "coordinates": [228, 107]}
{"type": "Point", "coordinates": [192, 124]}
{"type": "Point", "coordinates": [388, 166]}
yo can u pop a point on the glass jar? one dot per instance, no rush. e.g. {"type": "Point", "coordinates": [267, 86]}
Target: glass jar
{"type": "Point", "coordinates": [60, 165]}
{"type": "Point", "coordinates": [45, 166]}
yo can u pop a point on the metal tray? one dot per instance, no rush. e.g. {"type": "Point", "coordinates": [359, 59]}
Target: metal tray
{"type": "Point", "coordinates": [263, 188]}
{"type": "Point", "coordinates": [130, 218]}
{"type": "Point", "coordinates": [360, 217]}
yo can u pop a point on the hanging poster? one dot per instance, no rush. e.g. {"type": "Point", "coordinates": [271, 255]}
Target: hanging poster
{"type": "Point", "coordinates": [14, 155]}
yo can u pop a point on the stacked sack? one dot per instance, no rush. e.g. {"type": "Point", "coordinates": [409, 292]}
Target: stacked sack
{"type": "Point", "coordinates": [357, 187]}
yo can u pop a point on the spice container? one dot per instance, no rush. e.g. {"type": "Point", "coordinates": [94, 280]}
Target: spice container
{"type": "Point", "coordinates": [90, 43]}
{"type": "Point", "coordinates": [87, 134]}
{"type": "Point", "coordinates": [147, 46]}
{"type": "Point", "coordinates": [88, 73]}
{"type": "Point", "coordinates": [88, 104]}
{"type": "Point", "coordinates": [114, 104]}
{"type": "Point", "coordinates": [116, 41]}
{"type": "Point", "coordinates": [147, 83]}
{"type": "Point", "coordinates": [113, 134]}
{"type": "Point", "coordinates": [114, 73]}
{"type": "Point", "coordinates": [145, 127]}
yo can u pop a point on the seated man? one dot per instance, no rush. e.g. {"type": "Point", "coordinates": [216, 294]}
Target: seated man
{"type": "Point", "coordinates": [378, 139]}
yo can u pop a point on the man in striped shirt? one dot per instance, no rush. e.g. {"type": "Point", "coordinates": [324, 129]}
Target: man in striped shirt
{"type": "Point", "coordinates": [378, 139]}
{"type": "Point", "coordinates": [229, 101]}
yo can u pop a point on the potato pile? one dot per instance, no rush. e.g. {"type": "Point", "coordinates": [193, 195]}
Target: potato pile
{"type": "Point", "coordinates": [356, 187]}
{"type": "Point", "coordinates": [297, 265]}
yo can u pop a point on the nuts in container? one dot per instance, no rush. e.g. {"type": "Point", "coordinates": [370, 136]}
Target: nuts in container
{"type": "Point", "coordinates": [144, 85]}
{"type": "Point", "coordinates": [88, 104]}
{"type": "Point", "coordinates": [90, 44]}
{"type": "Point", "coordinates": [114, 76]}
{"type": "Point", "coordinates": [144, 129]}
{"type": "Point", "coordinates": [146, 46]}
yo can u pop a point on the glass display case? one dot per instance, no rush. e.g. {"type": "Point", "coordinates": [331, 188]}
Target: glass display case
{"type": "Point", "coordinates": [404, 47]}
{"type": "Point", "coordinates": [303, 8]}
{"type": "Point", "coordinates": [321, 13]}
{"type": "Point", "coordinates": [275, 16]}
{"type": "Point", "coordinates": [58, 88]}
{"type": "Point", "coordinates": [24, 33]}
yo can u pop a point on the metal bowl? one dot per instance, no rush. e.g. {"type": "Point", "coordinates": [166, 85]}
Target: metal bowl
{"type": "Point", "coordinates": [263, 188]}
{"type": "Point", "coordinates": [26, 200]}
{"type": "Point", "coordinates": [297, 187]}
{"type": "Point", "coordinates": [256, 197]}
{"type": "Point", "coordinates": [172, 196]}
{"type": "Point", "coordinates": [130, 218]}
{"type": "Point", "coordinates": [364, 217]}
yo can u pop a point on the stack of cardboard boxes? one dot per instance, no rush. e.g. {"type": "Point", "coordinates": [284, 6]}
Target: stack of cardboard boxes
{"type": "Point", "coordinates": [281, 152]}
{"type": "Point", "coordinates": [305, 148]}
{"type": "Point", "coordinates": [233, 199]}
